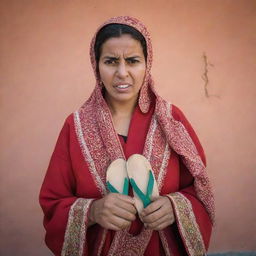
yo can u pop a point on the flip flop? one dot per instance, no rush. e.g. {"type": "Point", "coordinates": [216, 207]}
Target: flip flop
{"type": "Point", "coordinates": [142, 180]}
{"type": "Point", "coordinates": [117, 179]}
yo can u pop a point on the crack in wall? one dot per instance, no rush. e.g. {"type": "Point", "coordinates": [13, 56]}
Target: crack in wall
{"type": "Point", "coordinates": [205, 77]}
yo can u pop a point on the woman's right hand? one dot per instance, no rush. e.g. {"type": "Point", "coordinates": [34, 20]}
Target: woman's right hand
{"type": "Point", "coordinates": [114, 211]}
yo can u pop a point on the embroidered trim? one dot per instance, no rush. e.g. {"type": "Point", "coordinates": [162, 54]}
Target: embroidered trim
{"type": "Point", "coordinates": [157, 151]}
{"type": "Point", "coordinates": [169, 109]}
{"type": "Point", "coordinates": [149, 139]}
{"type": "Point", "coordinates": [104, 234]}
{"type": "Point", "coordinates": [125, 244]}
{"type": "Point", "coordinates": [75, 235]}
{"type": "Point", "coordinates": [87, 156]}
{"type": "Point", "coordinates": [163, 168]}
{"type": "Point", "coordinates": [167, 249]}
{"type": "Point", "coordinates": [187, 224]}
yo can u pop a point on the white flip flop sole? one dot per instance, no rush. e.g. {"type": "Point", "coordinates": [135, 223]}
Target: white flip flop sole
{"type": "Point", "coordinates": [116, 174]}
{"type": "Point", "coordinates": [138, 169]}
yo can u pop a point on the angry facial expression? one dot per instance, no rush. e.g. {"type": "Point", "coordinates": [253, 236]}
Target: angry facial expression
{"type": "Point", "coordinates": [122, 68]}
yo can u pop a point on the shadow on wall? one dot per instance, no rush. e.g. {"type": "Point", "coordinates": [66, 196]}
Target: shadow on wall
{"type": "Point", "coordinates": [233, 254]}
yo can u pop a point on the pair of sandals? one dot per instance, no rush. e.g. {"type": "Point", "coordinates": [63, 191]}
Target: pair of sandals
{"type": "Point", "coordinates": [136, 170]}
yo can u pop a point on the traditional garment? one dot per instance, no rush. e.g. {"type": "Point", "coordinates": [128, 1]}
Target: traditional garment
{"type": "Point", "coordinates": [88, 143]}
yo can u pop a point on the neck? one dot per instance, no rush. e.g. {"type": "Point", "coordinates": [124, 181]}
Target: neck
{"type": "Point", "coordinates": [118, 108]}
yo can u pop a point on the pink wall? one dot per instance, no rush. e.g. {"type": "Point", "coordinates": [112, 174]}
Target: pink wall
{"type": "Point", "coordinates": [45, 75]}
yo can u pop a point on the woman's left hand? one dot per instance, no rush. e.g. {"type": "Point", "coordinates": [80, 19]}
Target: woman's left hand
{"type": "Point", "coordinates": [159, 214]}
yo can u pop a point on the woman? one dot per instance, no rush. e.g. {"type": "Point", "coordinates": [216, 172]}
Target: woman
{"type": "Point", "coordinates": [125, 116]}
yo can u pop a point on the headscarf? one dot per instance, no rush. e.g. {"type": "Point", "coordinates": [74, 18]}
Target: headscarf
{"type": "Point", "coordinates": [144, 98]}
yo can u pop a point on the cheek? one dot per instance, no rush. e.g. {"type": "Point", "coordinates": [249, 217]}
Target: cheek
{"type": "Point", "coordinates": [141, 74]}
{"type": "Point", "coordinates": [105, 73]}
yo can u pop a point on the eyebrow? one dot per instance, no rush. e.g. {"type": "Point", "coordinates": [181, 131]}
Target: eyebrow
{"type": "Point", "coordinates": [110, 58]}
{"type": "Point", "coordinates": [117, 58]}
{"type": "Point", "coordinates": [133, 57]}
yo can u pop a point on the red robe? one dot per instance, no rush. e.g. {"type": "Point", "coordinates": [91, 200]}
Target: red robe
{"type": "Point", "coordinates": [69, 188]}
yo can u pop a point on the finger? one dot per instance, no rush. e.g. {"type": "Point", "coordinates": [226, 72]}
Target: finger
{"type": "Point", "coordinates": [125, 198]}
{"type": "Point", "coordinates": [120, 201]}
{"type": "Point", "coordinates": [123, 213]}
{"type": "Point", "coordinates": [164, 210]}
{"type": "Point", "coordinates": [160, 223]}
{"type": "Point", "coordinates": [154, 198]}
{"type": "Point", "coordinates": [160, 202]}
{"type": "Point", "coordinates": [152, 217]}
{"type": "Point", "coordinates": [110, 221]}
{"type": "Point", "coordinates": [165, 223]}
{"type": "Point", "coordinates": [119, 222]}
{"type": "Point", "coordinates": [111, 226]}
{"type": "Point", "coordinates": [126, 206]}
{"type": "Point", "coordinates": [154, 206]}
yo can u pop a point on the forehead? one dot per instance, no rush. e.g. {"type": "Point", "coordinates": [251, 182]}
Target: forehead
{"type": "Point", "coordinates": [124, 44]}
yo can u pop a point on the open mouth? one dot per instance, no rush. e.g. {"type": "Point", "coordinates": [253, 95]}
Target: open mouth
{"type": "Point", "coordinates": [122, 86]}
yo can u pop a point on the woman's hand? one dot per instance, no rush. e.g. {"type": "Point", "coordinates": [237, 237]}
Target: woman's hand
{"type": "Point", "coordinates": [114, 211]}
{"type": "Point", "coordinates": [159, 214]}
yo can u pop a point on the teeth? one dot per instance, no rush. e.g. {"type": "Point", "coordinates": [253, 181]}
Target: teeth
{"type": "Point", "coordinates": [123, 86]}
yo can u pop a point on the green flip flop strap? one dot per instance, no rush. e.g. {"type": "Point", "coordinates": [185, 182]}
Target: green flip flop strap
{"type": "Point", "coordinates": [150, 184]}
{"type": "Point", "coordinates": [112, 189]}
{"type": "Point", "coordinates": [126, 186]}
{"type": "Point", "coordinates": [144, 198]}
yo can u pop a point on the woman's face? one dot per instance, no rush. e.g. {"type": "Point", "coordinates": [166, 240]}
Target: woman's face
{"type": "Point", "coordinates": [122, 68]}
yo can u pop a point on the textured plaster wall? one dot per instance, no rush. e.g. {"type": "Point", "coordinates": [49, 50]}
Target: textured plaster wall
{"type": "Point", "coordinates": [205, 62]}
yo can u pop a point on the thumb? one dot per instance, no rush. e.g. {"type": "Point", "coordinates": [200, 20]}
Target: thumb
{"type": "Point", "coordinates": [154, 198]}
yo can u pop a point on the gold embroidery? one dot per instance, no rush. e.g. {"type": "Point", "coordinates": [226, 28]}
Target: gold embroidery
{"type": "Point", "coordinates": [104, 234]}
{"type": "Point", "coordinates": [125, 244]}
{"type": "Point", "coordinates": [187, 224]}
{"type": "Point", "coordinates": [167, 250]}
{"type": "Point", "coordinates": [75, 234]}
{"type": "Point", "coordinates": [87, 155]}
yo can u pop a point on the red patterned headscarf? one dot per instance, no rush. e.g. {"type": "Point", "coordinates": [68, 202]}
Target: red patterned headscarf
{"type": "Point", "coordinates": [144, 98]}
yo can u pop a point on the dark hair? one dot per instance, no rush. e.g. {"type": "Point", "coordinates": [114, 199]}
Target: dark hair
{"type": "Point", "coordinates": [116, 30]}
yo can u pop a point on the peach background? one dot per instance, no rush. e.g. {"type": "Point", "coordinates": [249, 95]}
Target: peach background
{"type": "Point", "coordinates": [46, 74]}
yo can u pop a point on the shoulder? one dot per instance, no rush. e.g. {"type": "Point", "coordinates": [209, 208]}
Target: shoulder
{"type": "Point", "coordinates": [68, 128]}
{"type": "Point", "coordinates": [179, 116]}
{"type": "Point", "coordinates": [164, 106]}
{"type": "Point", "coordinates": [70, 119]}
{"type": "Point", "coordinates": [177, 113]}
{"type": "Point", "coordinates": [173, 111]}
{"type": "Point", "coordinates": [68, 122]}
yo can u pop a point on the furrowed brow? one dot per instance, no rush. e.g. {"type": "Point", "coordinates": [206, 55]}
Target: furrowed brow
{"type": "Point", "coordinates": [110, 58]}
{"type": "Point", "coordinates": [133, 57]}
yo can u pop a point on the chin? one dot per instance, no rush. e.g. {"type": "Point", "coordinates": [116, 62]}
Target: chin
{"type": "Point", "coordinates": [126, 98]}
{"type": "Point", "coordinates": [121, 97]}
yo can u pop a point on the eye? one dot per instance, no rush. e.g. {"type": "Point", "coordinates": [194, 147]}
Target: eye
{"type": "Point", "coordinates": [132, 60]}
{"type": "Point", "coordinates": [111, 61]}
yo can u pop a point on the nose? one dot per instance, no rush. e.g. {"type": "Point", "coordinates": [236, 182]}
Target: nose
{"type": "Point", "coordinates": [122, 71]}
